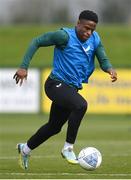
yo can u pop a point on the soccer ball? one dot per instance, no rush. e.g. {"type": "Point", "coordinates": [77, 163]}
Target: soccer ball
{"type": "Point", "coordinates": [90, 158]}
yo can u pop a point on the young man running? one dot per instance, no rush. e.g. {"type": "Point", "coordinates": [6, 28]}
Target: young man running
{"type": "Point", "coordinates": [73, 63]}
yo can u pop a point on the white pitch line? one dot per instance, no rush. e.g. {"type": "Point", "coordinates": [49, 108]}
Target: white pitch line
{"type": "Point", "coordinates": [57, 156]}
{"type": "Point", "coordinates": [64, 174]}
{"type": "Point", "coordinates": [34, 157]}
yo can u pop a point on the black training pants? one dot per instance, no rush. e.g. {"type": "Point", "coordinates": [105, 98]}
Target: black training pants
{"type": "Point", "coordinates": [67, 104]}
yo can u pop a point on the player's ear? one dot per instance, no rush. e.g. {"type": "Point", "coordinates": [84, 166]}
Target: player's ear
{"type": "Point", "coordinates": [78, 22]}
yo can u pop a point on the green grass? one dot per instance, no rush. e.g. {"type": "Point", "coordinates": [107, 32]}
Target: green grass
{"type": "Point", "coordinates": [15, 40]}
{"type": "Point", "coordinates": [111, 134]}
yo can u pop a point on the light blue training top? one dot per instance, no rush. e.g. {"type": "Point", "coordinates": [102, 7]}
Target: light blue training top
{"type": "Point", "coordinates": [75, 63]}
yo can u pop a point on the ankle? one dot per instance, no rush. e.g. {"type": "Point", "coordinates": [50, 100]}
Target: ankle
{"type": "Point", "coordinates": [26, 150]}
{"type": "Point", "coordinates": [68, 146]}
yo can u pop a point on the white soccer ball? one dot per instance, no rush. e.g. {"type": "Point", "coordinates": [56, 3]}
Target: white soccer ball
{"type": "Point", "coordinates": [90, 158]}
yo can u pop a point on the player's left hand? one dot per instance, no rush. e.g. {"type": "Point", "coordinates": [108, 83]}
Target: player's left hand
{"type": "Point", "coordinates": [113, 74]}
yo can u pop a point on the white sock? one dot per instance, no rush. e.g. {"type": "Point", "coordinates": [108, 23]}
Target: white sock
{"type": "Point", "coordinates": [26, 149]}
{"type": "Point", "coordinates": [68, 145]}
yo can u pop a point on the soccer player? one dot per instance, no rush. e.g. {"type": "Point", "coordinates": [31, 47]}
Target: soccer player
{"type": "Point", "coordinates": [73, 63]}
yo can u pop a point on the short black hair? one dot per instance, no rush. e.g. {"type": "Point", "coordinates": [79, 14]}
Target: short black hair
{"type": "Point", "coordinates": [89, 15]}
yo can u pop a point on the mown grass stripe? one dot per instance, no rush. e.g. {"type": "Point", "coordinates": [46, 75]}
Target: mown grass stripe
{"type": "Point", "coordinates": [66, 174]}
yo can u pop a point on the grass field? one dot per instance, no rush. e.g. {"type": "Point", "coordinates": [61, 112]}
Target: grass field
{"type": "Point", "coordinates": [111, 134]}
{"type": "Point", "coordinates": [15, 40]}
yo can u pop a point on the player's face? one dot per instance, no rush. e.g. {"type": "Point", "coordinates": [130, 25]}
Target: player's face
{"type": "Point", "coordinates": [84, 29]}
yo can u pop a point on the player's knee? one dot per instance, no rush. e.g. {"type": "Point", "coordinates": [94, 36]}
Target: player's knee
{"type": "Point", "coordinates": [82, 106]}
{"type": "Point", "coordinates": [56, 130]}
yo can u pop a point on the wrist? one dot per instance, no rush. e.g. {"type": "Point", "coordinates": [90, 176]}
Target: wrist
{"type": "Point", "coordinates": [23, 67]}
{"type": "Point", "coordinates": [109, 70]}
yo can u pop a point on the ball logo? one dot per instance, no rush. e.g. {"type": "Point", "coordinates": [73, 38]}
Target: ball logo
{"type": "Point", "coordinates": [91, 159]}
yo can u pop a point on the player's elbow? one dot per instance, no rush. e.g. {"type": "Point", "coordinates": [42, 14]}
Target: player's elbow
{"type": "Point", "coordinates": [35, 43]}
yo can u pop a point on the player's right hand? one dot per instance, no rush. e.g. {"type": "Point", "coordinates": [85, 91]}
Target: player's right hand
{"type": "Point", "coordinates": [20, 75]}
